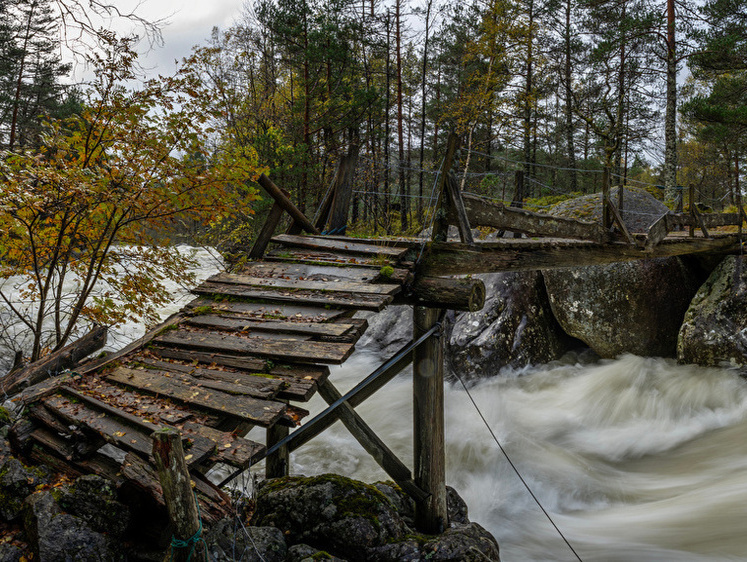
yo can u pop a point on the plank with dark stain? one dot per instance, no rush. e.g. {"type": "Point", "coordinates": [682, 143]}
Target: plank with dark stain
{"type": "Point", "coordinates": [229, 449]}
{"type": "Point", "coordinates": [309, 329]}
{"type": "Point", "coordinates": [345, 246]}
{"type": "Point", "coordinates": [263, 311]}
{"type": "Point", "coordinates": [306, 284]}
{"type": "Point", "coordinates": [261, 412]}
{"type": "Point", "coordinates": [278, 350]}
{"type": "Point", "coordinates": [371, 302]}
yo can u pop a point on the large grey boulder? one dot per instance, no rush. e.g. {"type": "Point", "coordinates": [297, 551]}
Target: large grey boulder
{"type": "Point", "coordinates": [631, 307]}
{"type": "Point", "coordinates": [331, 517]}
{"type": "Point", "coordinates": [515, 328]}
{"type": "Point", "coordinates": [714, 331]}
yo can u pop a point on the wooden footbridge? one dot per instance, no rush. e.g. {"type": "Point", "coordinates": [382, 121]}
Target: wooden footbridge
{"type": "Point", "coordinates": [254, 346]}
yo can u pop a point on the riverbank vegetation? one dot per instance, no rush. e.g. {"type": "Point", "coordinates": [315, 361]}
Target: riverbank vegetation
{"type": "Point", "coordinates": [97, 176]}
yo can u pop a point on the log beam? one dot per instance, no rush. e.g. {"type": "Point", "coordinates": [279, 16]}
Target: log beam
{"type": "Point", "coordinates": [277, 194]}
{"type": "Point", "coordinates": [54, 363]}
{"type": "Point", "coordinates": [447, 293]}
{"type": "Point", "coordinates": [529, 255]}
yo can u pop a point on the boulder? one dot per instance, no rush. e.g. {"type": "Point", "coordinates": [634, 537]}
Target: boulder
{"type": "Point", "coordinates": [388, 330]}
{"type": "Point", "coordinates": [630, 307]}
{"type": "Point", "coordinates": [257, 544]}
{"type": "Point", "coordinates": [93, 499]}
{"type": "Point", "coordinates": [714, 331]}
{"type": "Point", "coordinates": [60, 537]}
{"type": "Point", "coordinates": [515, 328]}
{"type": "Point", "coordinates": [334, 518]}
{"type": "Point", "coordinates": [16, 483]}
{"type": "Point", "coordinates": [640, 208]}
{"type": "Point", "coordinates": [329, 512]}
{"type": "Point", "coordinates": [11, 553]}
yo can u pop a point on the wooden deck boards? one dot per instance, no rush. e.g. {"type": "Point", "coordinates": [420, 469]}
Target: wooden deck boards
{"type": "Point", "coordinates": [249, 344]}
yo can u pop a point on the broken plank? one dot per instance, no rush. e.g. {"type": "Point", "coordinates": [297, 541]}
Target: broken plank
{"type": "Point", "coordinates": [229, 449]}
{"type": "Point", "coordinates": [258, 387]}
{"type": "Point", "coordinates": [263, 311]}
{"type": "Point", "coordinates": [324, 298]}
{"type": "Point", "coordinates": [303, 271]}
{"type": "Point", "coordinates": [306, 284]}
{"type": "Point", "coordinates": [315, 257]}
{"type": "Point", "coordinates": [261, 412]}
{"type": "Point", "coordinates": [345, 246]}
{"type": "Point", "coordinates": [113, 431]}
{"type": "Point", "coordinates": [301, 379]}
{"type": "Point", "coordinates": [318, 330]}
{"type": "Point", "coordinates": [299, 351]}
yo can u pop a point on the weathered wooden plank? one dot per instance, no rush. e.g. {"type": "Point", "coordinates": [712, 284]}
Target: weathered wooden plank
{"type": "Point", "coordinates": [249, 385]}
{"type": "Point", "coordinates": [262, 311]}
{"type": "Point", "coordinates": [113, 431]}
{"type": "Point", "coordinates": [298, 270]}
{"type": "Point", "coordinates": [327, 244]}
{"type": "Point", "coordinates": [261, 412]}
{"type": "Point", "coordinates": [301, 379]}
{"type": "Point", "coordinates": [299, 351]}
{"type": "Point", "coordinates": [482, 212]}
{"type": "Point", "coordinates": [230, 449]}
{"type": "Point", "coordinates": [336, 285]}
{"type": "Point", "coordinates": [313, 330]}
{"type": "Point", "coordinates": [371, 302]}
{"type": "Point", "coordinates": [527, 254]}
{"type": "Point", "coordinates": [328, 259]}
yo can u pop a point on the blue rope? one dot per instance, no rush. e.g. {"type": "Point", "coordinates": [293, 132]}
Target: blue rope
{"type": "Point", "coordinates": [340, 230]}
{"type": "Point", "coordinates": [192, 541]}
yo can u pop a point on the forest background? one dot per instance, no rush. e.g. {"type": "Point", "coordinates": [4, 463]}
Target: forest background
{"type": "Point", "coordinates": [96, 177]}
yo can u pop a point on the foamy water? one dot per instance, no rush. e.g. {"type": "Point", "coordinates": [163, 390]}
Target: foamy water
{"type": "Point", "coordinates": [635, 459]}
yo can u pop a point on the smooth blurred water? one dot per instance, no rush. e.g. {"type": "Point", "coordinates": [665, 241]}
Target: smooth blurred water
{"type": "Point", "coordinates": [635, 459]}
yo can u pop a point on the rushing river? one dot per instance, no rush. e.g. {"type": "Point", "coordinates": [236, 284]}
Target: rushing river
{"type": "Point", "coordinates": [635, 459]}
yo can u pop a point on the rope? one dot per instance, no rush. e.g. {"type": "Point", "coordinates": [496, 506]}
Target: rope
{"type": "Point", "coordinates": [516, 470]}
{"type": "Point", "coordinates": [191, 542]}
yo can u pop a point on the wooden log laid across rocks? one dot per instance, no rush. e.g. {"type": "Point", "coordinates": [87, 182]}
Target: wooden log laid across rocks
{"type": "Point", "coordinates": [54, 363]}
{"type": "Point", "coordinates": [450, 293]}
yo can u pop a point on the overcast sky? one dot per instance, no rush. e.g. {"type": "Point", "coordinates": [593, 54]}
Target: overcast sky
{"type": "Point", "coordinates": [190, 23]}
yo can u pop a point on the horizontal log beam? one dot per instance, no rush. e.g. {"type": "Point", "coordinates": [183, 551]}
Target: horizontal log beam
{"type": "Point", "coordinates": [710, 220]}
{"type": "Point", "coordinates": [526, 255]}
{"type": "Point", "coordinates": [482, 212]}
{"type": "Point", "coordinates": [444, 292]}
{"type": "Point", "coordinates": [54, 363]}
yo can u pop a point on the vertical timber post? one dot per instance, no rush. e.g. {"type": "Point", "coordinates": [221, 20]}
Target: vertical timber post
{"type": "Point", "coordinates": [178, 495]}
{"type": "Point", "coordinates": [692, 209]}
{"type": "Point", "coordinates": [606, 215]}
{"type": "Point", "coordinates": [518, 201]}
{"type": "Point", "coordinates": [428, 416]}
{"type": "Point", "coordinates": [277, 465]}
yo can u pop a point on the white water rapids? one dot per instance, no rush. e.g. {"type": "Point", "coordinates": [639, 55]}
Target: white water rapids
{"type": "Point", "coordinates": [635, 459]}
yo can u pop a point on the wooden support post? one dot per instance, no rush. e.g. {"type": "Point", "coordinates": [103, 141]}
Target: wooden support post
{"type": "Point", "coordinates": [457, 204]}
{"type": "Point", "coordinates": [268, 229]}
{"type": "Point", "coordinates": [440, 224]}
{"type": "Point", "coordinates": [518, 202]}
{"type": "Point", "coordinates": [178, 495]}
{"type": "Point", "coordinates": [428, 415]}
{"type": "Point", "coordinates": [692, 206]}
{"type": "Point", "coordinates": [277, 194]}
{"type": "Point", "coordinates": [446, 292]}
{"type": "Point", "coordinates": [277, 465]}
{"type": "Point", "coordinates": [343, 192]}
{"type": "Point", "coordinates": [606, 215]}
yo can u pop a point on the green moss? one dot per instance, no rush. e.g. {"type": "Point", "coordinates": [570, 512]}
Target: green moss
{"type": "Point", "coordinates": [165, 329]}
{"type": "Point", "coordinates": [322, 555]}
{"type": "Point", "coordinates": [386, 271]}
{"type": "Point", "coordinates": [5, 416]}
{"type": "Point", "coordinates": [202, 310]}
